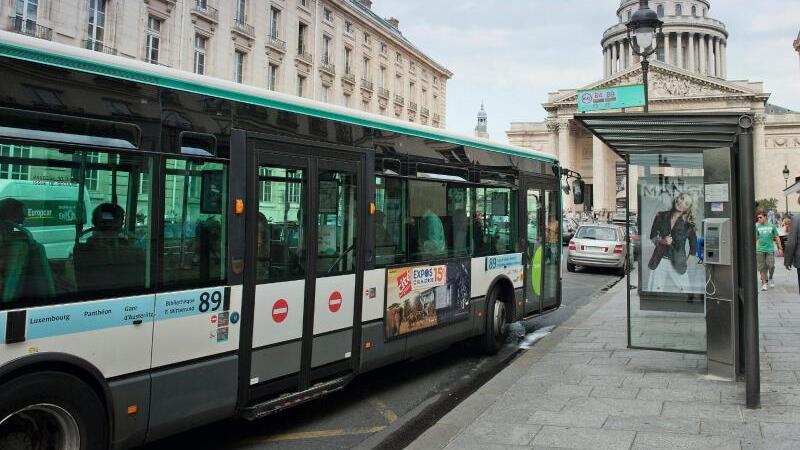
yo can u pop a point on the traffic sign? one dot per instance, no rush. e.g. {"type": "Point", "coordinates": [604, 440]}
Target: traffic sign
{"type": "Point", "coordinates": [335, 301]}
{"type": "Point", "coordinates": [280, 310]}
{"type": "Point", "coordinates": [615, 97]}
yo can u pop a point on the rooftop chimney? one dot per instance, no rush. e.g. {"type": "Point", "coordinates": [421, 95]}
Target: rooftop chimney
{"type": "Point", "coordinates": [393, 22]}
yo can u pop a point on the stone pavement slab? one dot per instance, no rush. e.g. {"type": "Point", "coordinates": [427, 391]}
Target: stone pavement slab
{"type": "Point", "coordinates": [582, 388]}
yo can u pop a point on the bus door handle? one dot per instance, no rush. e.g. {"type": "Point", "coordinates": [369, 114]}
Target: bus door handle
{"type": "Point", "coordinates": [137, 322]}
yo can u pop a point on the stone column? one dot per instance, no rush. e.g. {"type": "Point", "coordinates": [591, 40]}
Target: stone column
{"type": "Point", "coordinates": [711, 69]}
{"type": "Point", "coordinates": [600, 183]}
{"type": "Point", "coordinates": [666, 49]}
{"type": "Point", "coordinates": [690, 48]}
{"type": "Point", "coordinates": [760, 156]}
{"type": "Point", "coordinates": [701, 45]}
{"type": "Point", "coordinates": [611, 179]}
{"type": "Point", "coordinates": [565, 151]}
{"type": "Point", "coordinates": [552, 128]}
{"type": "Point", "coordinates": [614, 55]}
{"type": "Point", "coordinates": [633, 183]}
{"type": "Point", "coordinates": [630, 54]}
{"type": "Point", "coordinates": [724, 60]}
{"type": "Point", "coordinates": [679, 50]}
{"type": "Point", "coordinates": [718, 57]}
{"type": "Point", "coordinates": [605, 61]}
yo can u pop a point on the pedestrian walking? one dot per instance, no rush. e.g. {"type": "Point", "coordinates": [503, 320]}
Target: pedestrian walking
{"type": "Point", "coordinates": [783, 230]}
{"type": "Point", "coordinates": [766, 234]}
{"type": "Point", "coordinates": [792, 254]}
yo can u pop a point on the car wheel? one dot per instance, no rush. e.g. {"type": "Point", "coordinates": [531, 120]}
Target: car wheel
{"type": "Point", "coordinates": [51, 410]}
{"type": "Point", "coordinates": [570, 267]}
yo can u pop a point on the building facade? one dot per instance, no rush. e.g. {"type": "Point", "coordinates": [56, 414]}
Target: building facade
{"type": "Point", "coordinates": [335, 51]}
{"type": "Point", "coordinates": [687, 75]}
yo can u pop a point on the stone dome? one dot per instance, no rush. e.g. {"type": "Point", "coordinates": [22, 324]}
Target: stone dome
{"type": "Point", "coordinates": [692, 40]}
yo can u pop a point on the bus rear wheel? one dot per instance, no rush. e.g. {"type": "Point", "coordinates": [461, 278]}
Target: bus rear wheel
{"type": "Point", "coordinates": [51, 410]}
{"type": "Point", "coordinates": [496, 332]}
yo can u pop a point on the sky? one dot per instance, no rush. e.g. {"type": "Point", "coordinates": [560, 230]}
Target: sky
{"type": "Point", "coordinates": [510, 54]}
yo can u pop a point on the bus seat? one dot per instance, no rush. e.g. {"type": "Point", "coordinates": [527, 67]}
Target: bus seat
{"type": "Point", "coordinates": [102, 264]}
{"type": "Point", "coordinates": [26, 273]}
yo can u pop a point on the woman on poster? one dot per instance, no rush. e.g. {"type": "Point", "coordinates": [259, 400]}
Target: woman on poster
{"type": "Point", "coordinates": [670, 231]}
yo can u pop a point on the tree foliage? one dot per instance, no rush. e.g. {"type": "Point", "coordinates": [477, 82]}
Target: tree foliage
{"type": "Point", "coordinates": [768, 203]}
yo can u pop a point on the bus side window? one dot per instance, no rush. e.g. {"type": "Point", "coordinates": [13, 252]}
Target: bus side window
{"type": "Point", "coordinates": [194, 240]}
{"type": "Point", "coordinates": [496, 221]}
{"type": "Point", "coordinates": [390, 221]}
{"type": "Point", "coordinates": [75, 225]}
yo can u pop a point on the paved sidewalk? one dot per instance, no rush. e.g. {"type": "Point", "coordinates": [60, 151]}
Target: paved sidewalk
{"type": "Point", "coordinates": [581, 387]}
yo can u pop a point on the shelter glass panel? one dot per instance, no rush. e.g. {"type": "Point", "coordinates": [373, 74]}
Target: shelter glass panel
{"type": "Point", "coordinates": [668, 277]}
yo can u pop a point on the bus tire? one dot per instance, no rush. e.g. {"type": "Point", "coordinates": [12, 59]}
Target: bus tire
{"type": "Point", "coordinates": [496, 332]}
{"type": "Point", "coordinates": [51, 410]}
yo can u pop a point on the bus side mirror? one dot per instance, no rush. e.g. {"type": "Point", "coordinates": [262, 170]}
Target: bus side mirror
{"type": "Point", "coordinates": [577, 191]}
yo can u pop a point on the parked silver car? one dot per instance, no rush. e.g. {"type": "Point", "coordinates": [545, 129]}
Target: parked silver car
{"type": "Point", "coordinates": [598, 245]}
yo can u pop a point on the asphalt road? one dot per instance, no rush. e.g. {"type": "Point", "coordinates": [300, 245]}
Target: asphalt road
{"type": "Point", "coordinates": [389, 407]}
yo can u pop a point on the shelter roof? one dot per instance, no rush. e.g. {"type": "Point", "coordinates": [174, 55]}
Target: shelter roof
{"type": "Point", "coordinates": [637, 133]}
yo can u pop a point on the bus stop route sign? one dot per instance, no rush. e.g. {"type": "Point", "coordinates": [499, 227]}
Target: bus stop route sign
{"type": "Point", "coordinates": [616, 97]}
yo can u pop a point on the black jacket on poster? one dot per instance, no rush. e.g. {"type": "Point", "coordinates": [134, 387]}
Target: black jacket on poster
{"type": "Point", "coordinates": [680, 233]}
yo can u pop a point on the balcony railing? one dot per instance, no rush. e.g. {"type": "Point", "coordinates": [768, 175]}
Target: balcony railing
{"type": "Point", "coordinates": [326, 66]}
{"type": "Point", "coordinates": [399, 99]}
{"type": "Point", "coordinates": [206, 11]}
{"type": "Point", "coordinates": [98, 46]}
{"type": "Point", "coordinates": [31, 28]}
{"type": "Point", "coordinates": [383, 92]}
{"type": "Point", "coordinates": [349, 77]}
{"type": "Point", "coordinates": [243, 28]}
{"type": "Point", "coordinates": [412, 106]}
{"type": "Point", "coordinates": [305, 57]}
{"type": "Point", "coordinates": [424, 112]}
{"type": "Point", "coordinates": [366, 84]}
{"type": "Point", "coordinates": [276, 43]}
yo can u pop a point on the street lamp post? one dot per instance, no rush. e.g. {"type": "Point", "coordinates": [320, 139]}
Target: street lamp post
{"type": "Point", "coordinates": [786, 186]}
{"type": "Point", "coordinates": [643, 30]}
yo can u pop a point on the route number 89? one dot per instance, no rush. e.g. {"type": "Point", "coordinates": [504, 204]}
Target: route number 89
{"type": "Point", "coordinates": [207, 300]}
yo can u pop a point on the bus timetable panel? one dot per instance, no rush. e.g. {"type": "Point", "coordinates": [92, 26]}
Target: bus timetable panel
{"type": "Point", "coordinates": [227, 257]}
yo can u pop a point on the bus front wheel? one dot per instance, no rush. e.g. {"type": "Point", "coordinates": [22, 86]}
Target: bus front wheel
{"type": "Point", "coordinates": [51, 410]}
{"type": "Point", "coordinates": [494, 337]}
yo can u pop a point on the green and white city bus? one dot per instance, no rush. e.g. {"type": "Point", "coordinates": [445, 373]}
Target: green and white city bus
{"type": "Point", "coordinates": [177, 249]}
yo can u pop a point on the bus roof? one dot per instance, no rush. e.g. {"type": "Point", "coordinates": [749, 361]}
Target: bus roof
{"type": "Point", "coordinates": [17, 46]}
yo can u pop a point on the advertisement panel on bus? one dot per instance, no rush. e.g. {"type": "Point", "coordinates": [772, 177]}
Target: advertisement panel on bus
{"type": "Point", "coordinates": [425, 296]}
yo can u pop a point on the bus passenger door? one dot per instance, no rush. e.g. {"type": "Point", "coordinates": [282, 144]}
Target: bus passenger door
{"type": "Point", "coordinates": [533, 250]}
{"type": "Point", "coordinates": [305, 222]}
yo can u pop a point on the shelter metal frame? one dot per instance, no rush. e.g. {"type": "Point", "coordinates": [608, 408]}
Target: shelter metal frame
{"type": "Point", "coordinates": [647, 133]}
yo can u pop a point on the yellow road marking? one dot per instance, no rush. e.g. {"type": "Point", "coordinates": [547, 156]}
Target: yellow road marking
{"type": "Point", "coordinates": [323, 434]}
{"type": "Point", "coordinates": [387, 413]}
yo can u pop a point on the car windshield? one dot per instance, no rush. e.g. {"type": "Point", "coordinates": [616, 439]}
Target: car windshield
{"type": "Point", "coordinates": [596, 233]}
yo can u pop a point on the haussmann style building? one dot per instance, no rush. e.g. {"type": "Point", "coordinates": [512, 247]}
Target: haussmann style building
{"type": "Point", "coordinates": [335, 51]}
{"type": "Point", "coordinates": [687, 74]}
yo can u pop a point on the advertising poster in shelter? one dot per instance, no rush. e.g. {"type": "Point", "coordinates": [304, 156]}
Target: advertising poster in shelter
{"type": "Point", "coordinates": [671, 221]}
{"type": "Point", "coordinates": [425, 296]}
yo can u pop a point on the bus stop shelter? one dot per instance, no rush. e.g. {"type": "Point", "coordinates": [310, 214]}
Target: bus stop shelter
{"type": "Point", "coordinates": [690, 193]}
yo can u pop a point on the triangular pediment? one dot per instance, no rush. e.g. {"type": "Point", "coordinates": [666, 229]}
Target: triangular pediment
{"type": "Point", "coordinates": [666, 83]}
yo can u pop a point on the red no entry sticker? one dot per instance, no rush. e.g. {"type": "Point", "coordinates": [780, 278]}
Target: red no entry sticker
{"type": "Point", "coordinates": [335, 301]}
{"type": "Point", "coordinates": [213, 318]}
{"type": "Point", "coordinates": [280, 310]}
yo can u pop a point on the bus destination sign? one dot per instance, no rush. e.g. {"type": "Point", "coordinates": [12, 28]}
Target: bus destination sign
{"type": "Point", "coordinates": [616, 97]}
